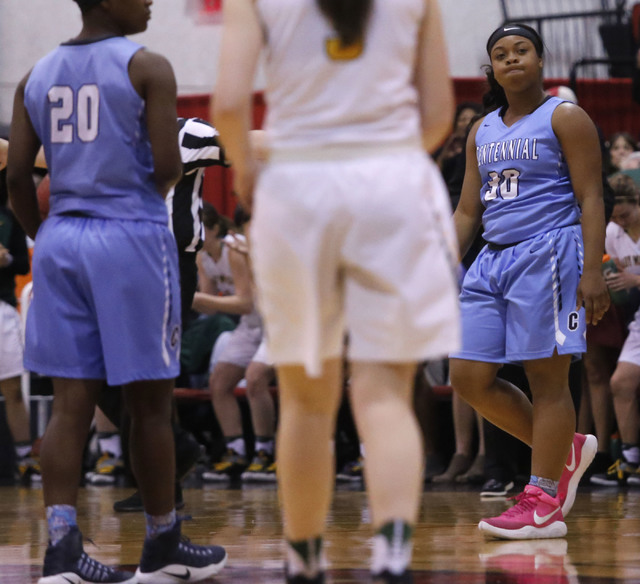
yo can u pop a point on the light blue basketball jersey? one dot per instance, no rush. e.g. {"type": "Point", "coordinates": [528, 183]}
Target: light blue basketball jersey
{"type": "Point", "coordinates": [526, 186]}
{"type": "Point", "coordinates": [88, 115]}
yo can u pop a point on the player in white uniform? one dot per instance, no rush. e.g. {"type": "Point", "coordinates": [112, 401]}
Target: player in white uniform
{"type": "Point", "coordinates": [352, 232]}
{"type": "Point", "coordinates": [623, 245]}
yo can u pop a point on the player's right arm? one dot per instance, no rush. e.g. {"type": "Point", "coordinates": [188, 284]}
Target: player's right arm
{"type": "Point", "coordinates": [23, 150]}
{"type": "Point", "coordinates": [468, 214]}
{"type": "Point", "coordinates": [153, 78]}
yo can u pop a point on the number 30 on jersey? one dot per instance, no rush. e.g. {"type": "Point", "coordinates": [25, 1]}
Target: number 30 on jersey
{"type": "Point", "coordinates": [503, 185]}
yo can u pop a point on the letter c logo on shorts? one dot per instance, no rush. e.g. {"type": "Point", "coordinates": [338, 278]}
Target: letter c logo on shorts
{"type": "Point", "coordinates": [175, 336]}
{"type": "Point", "coordinates": [573, 321]}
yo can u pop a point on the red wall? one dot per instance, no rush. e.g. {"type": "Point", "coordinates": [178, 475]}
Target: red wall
{"type": "Point", "coordinates": [608, 102]}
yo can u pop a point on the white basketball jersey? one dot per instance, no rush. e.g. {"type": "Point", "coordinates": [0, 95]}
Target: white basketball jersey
{"type": "Point", "coordinates": [619, 245]}
{"type": "Point", "coordinates": [320, 94]}
{"type": "Point", "coordinates": [219, 272]}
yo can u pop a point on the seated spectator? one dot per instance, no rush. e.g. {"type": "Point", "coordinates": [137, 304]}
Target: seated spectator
{"type": "Point", "coordinates": [242, 356]}
{"type": "Point", "coordinates": [620, 145]}
{"type": "Point", "coordinates": [623, 245]}
{"type": "Point", "coordinates": [14, 259]}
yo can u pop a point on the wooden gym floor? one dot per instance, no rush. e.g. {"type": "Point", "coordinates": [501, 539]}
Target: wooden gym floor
{"type": "Point", "coordinates": [603, 544]}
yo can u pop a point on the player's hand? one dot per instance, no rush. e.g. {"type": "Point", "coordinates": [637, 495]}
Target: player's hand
{"type": "Point", "coordinates": [622, 281]}
{"type": "Point", "coordinates": [593, 294]}
{"type": "Point", "coordinates": [4, 149]}
{"type": "Point", "coordinates": [244, 178]}
{"type": "Point", "coordinates": [241, 245]}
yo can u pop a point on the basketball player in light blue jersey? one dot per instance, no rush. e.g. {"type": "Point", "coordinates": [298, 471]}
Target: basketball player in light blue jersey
{"type": "Point", "coordinates": [106, 297]}
{"type": "Point", "coordinates": [533, 178]}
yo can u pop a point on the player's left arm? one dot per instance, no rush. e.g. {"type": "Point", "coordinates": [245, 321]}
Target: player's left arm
{"type": "Point", "coordinates": [23, 149]}
{"type": "Point", "coordinates": [581, 147]}
{"type": "Point", "coordinates": [153, 78]}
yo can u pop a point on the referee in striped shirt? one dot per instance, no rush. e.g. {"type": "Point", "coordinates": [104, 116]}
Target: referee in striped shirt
{"type": "Point", "coordinates": [199, 149]}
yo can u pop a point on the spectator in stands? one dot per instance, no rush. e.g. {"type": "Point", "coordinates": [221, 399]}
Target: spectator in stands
{"type": "Point", "coordinates": [620, 146]}
{"type": "Point", "coordinates": [534, 211]}
{"type": "Point", "coordinates": [450, 158]}
{"type": "Point", "coordinates": [464, 466]}
{"type": "Point", "coordinates": [330, 251]}
{"type": "Point", "coordinates": [14, 260]}
{"type": "Point", "coordinates": [623, 245]}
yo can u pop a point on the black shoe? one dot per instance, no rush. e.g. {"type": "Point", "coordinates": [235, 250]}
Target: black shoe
{"type": "Point", "coordinates": [387, 577]}
{"type": "Point", "coordinates": [496, 488]}
{"type": "Point", "coordinates": [66, 562]}
{"type": "Point", "coordinates": [170, 557]}
{"type": "Point", "coordinates": [133, 503]}
{"type": "Point", "coordinates": [188, 451]}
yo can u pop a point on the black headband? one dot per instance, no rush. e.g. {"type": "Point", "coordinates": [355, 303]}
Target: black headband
{"type": "Point", "coordinates": [86, 4]}
{"type": "Point", "coordinates": [519, 30]}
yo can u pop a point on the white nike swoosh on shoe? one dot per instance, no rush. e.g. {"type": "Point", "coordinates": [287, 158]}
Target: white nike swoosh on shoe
{"type": "Point", "coordinates": [572, 465]}
{"type": "Point", "coordinates": [540, 520]}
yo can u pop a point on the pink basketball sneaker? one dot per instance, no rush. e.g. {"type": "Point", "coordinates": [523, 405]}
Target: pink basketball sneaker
{"type": "Point", "coordinates": [583, 451]}
{"type": "Point", "coordinates": [536, 515]}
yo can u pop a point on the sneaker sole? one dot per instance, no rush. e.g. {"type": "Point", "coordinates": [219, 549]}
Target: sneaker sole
{"type": "Point", "coordinates": [72, 578]}
{"type": "Point", "coordinates": [101, 480]}
{"type": "Point", "coordinates": [589, 449]}
{"type": "Point", "coordinates": [603, 482]}
{"type": "Point", "coordinates": [255, 477]}
{"type": "Point", "coordinates": [556, 529]}
{"type": "Point", "coordinates": [503, 493]}
{"type": "Point", "coordinates": [215, 478]}
{"type": "Point", "coordinates": [178, 573]}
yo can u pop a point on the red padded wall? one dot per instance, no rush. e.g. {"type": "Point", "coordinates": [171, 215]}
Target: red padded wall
{"type": "Point", "coordinates": [608, 102]}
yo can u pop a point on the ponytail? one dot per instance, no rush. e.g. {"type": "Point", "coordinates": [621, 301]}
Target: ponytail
{"type": "Point", "coordinates": [348, 17]}
{"type": "Point", "coordinates": [495, 98]}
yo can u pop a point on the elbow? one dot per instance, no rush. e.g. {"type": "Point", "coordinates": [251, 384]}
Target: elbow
{"type": "Point", "coordinates": [167, 178]}
{"type": "Point", "coordinates": [435, 131]}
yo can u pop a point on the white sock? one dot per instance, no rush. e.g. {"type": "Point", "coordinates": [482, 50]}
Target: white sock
{"type": "Point", "coordinates": [392, 548]}
{"type": "Point", "coordinates": [238, 446]}
{"type": "Point", "coordinates": [264, 444]}
{"type": "Point", "coordinates": [632, 454]}
{"type": "Point", "coordinates": [305, 558]}
{"type": "Point", "coordinates": [110, 443]}
{"type": "Point", "coordinates": [23, 450]}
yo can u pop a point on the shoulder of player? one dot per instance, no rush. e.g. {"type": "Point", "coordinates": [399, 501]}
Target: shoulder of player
{"type": "Point", "coordinates": [614, 230]}
{"type": "Point", "coordinates": [567, 113]}
{"type": "Point", "coordinates": [471, 137]}
{"type": "Point", "coordinates": [148, 65]}
{"type": "Point", "coordinates": [23, 82]}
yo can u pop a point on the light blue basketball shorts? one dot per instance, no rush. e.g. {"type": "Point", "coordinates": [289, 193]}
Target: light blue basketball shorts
{"type": "Point", "coordinates": [519, 303]}
{"type": "Point", "coordinates": [106, 301]}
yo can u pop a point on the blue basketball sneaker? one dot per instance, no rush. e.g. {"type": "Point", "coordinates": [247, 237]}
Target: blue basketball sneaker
{"type": "Point", "coordinates": [67, 563]}
{"type": "Point", "coordinates": [171, 558]}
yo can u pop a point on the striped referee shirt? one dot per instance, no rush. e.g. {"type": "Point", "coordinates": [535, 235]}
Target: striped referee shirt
{"type": "Point", "coordinates": [199, 148]}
